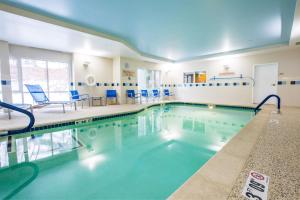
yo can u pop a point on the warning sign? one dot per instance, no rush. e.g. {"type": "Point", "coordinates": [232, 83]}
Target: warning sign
{"type": "Point", "coordinates": [256, 187]}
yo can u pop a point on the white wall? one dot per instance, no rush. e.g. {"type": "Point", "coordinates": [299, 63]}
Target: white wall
{"type": "Point", "coordinates": [100, 68]}
{"type": "Point", "coordinates": [117, 75]}
{"type": "Point", "coordinates": [133, 65]}
{"type": "Point", "coordinates": [289, 69]}
{"type": "Point", "coordinates": [19, 52]}
{"type": "Point", "coordinates": [109, 71]}
{"type": "Point", "coordinates": [5, 72]}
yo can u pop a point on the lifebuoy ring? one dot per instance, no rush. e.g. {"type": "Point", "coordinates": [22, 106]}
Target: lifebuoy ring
{"type": "Point", "coordinates": [90, 80]}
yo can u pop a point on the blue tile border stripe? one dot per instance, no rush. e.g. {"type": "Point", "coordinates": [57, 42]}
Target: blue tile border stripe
{"type": "Point", "coordinates": [170, 85]}
{"type": "Point", "coordinates": [281, 83]}
{"type": "Point", "coordinates": [5, 82]}
{"type": "Point", "coordinates": [208, 84]}
{"type": "Point", "coordinates": [296, 82]}
{"type": "Point", "coordinates": [290, 82]}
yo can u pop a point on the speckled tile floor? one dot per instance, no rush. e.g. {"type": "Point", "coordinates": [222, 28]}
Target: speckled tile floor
{"type": "Point", "coordinates": [276, 154]}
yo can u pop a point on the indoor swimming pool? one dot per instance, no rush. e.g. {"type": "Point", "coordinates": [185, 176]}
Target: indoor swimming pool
{"type": "Point", "coordinates": [147, 155]}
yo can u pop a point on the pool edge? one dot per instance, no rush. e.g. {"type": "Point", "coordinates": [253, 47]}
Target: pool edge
{"type": "Point", "coordinates": [216, 178]}
{"type": "Point", "coordinates": [61, 123]}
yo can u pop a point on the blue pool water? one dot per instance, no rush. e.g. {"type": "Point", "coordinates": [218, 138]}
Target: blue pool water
{"type": "Point", "coordinates": [141, 156]}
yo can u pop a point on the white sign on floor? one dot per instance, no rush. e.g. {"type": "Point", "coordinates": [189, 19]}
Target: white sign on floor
{"type": "Point", "coordinates": [256, 187]}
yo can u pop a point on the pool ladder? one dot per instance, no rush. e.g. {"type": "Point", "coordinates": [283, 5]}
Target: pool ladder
{"type": "Point", "coordinates": [29, 114]}
{"type": "Point", "coordinates": [266, 99]}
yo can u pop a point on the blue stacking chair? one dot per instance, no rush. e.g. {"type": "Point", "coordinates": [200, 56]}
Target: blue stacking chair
{"type": "Point", "coordinates": [155, 94]}
{"type": "Point", "coordinates": [75, 96]}
{"type": "Point", "coordinates": [111, 94]}
{"type": "Point", "coordinates": [42, 100]}
{"type": "Point", "coordinates": [132, 95]}
{"type": "Point", "coordinates": [167, 93]}
{"type": "Point", "coordinates": [144, 93]}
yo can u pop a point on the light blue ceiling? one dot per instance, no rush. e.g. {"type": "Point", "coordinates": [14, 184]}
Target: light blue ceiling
{"type": "Point", "coordinates": [177, 29]}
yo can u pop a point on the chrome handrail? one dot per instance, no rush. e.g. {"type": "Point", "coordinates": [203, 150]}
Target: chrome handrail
{"type": "Point", "coordinates": [15, 108]}
{"type": "Point", "coordinates": [266, 99]}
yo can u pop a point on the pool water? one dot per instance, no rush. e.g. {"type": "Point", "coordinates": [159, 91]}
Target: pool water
{"type": "Point", "coordinates": [147, 155]}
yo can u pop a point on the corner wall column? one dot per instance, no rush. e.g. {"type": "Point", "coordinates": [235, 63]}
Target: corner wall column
{"type": "Point", "coordinates": [5, 72]}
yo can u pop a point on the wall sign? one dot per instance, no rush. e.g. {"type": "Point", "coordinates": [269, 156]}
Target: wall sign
{"type": "Point", "coordinates": [200, 77]}
{"type": "Point", "coordinates": [256, 187]}
{"type": "Point", "coordinates": [129, 74]}
{"type": "Point", "coordinates": [226, 71]}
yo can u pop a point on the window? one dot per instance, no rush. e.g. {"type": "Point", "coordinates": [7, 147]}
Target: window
{"type": "Point", "coordinates": [149, 79]}
{"type": "Point", "coordinates": [52, 76]}
{"type": "Point", "coordinates": [188, 77]}
{"type": "Point", "coordinates": [58, 77]}
{"type": "Point", "coordinates": [33, 72]}
{"type": "Point", "coordinates": [15, 83]}
{"type": "Point", "coordinates": [14, 74]}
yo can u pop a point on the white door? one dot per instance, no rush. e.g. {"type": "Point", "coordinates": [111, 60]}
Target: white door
{"type": "Point", "coordinates": [265, 76]}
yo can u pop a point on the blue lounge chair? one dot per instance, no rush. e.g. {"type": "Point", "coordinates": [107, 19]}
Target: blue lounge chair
{"type": "Point", "coordinates": [144, 94]}
{"type": "Point", "coordinates": [155, 94]}
{"type": "Point", "coordinates": [111, 94]}
{"type": "Point", "coordinates": [42, 100]}
{"type": "Point", "coordinates": [167, 93]}
{"type": "Point", "coordinates": [132, 95]}
{"type": "Point", "coordinates": [75, 96]}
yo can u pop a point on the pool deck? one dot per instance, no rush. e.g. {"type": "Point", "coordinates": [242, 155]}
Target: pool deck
{"type": "Point", "coordinates": [276, 154]}
{"type": "Point", "coordinates": [269, 138]}
{"type": "Point", "coordinates": [53, 115]}
{"type": "Point", "coordinates": [269, 144]}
